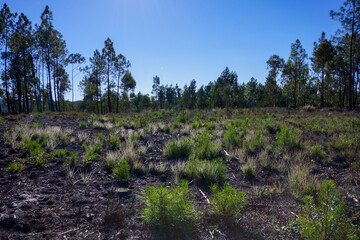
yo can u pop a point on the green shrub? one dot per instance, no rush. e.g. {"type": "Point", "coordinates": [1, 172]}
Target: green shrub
{"type": "Point", "coordinates": [179, 149]}
{"type": "Point", "coordinates": [72, 159]}
{"type": "Point", "coordinates": [317, 152]}
{"type": "Point", "coordinates": [287, 138]}
{"type": "Point", "coordinates": [206, 148]}
{"type": "Point", "coordinates": [232, 138]}
{"type": "Point", "coordinates": [114, 141]}
{"type": "Point", "coordinates": [15, 167]}
{"type": "Point", "coordinates": [60, 153]}
{"type": "Point", "coordinates": [122, 171]}
{"type": "Point", "coordinates": [167, 129]}
{"type": "Point", "coordinates": [32, 148]}
{"type": "Point", "coordinates": [344, 143]}
{"type": "Point", "coordinates": [83, 124]}
{"type": "Point", "coordinates": [168, 210]}
{"type": "Point", "coordinates": [227, 201]}
{"type": "Point", "coordinates": [208, 172]}
{"type": "Point", "coordinates": [327, 219]}
{"type": "Point", "coordinates": [90, 153]}
{"type": "Point", "coordinates": [64, 140]}
{"type": "Point", "coordinates": [39, 160]}
{"type": "Point", "coordinates": [176, 125]}
{"type": "Point", "coordinates": [100, 136]}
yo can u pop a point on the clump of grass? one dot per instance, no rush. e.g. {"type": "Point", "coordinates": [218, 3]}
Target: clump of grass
{"type": "Point", "coordinates": [317, 152]}
{"type": "Point", "coordinates": [301, 182]}
{"type": "Point", "coordinates": [254, 143]}
{"type": "Point", "coordinates": [167, 129]}
{"type": "Point", "coordinates": [157, 168]}
{"type": "Point", "coordinates": [101, 137]}
{"type": "Point", "coordinates": [327, 219]}
{"type": "Point", "coordinates": [208, 172]}
{"type": "Point", "coordinates": [227, 201]}
{"type": "Point", "coordinates": [232, 138]}
{"type": "Point", "coordinates": [60, 153]}
{"type": "Point", "coordinates": [206, 148]}
{"type": "Point", "coordinates": [122, 171]}
{"type": "Point", "coordinates": [138, 167]}
{"type": "Point", "coordinates": [111, 159]}
{"type": "Point", "coordinates": [168, 210]}
{"type": "Point", "coordinates": [179, 149]}
{"type": "Point", "coordinates": [15, 167]}
{"type": "Point", "coordinates": [287, 138]}
{"type": "Point", "coordinates": [83, 124]}
{"type": "Point", "coordinates": [249, 168]}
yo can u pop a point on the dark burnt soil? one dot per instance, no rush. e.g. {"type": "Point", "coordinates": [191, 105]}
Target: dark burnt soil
{"type": "Point", "coordinates": [45, 203]}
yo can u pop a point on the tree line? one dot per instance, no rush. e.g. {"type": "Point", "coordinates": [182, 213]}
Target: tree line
{"type": "Point", "coordinates": [34, 58]}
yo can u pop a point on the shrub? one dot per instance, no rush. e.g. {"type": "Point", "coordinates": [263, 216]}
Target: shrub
{"type": "Point", "coordinates": [317, 152]}
{"type": "Point", "coordinates": [83, 124]}
{"type": "Point", "coordinates": [64, 140]}
{"type": "Point", "coordinates": [32, 148]}
{"type": "Point", "coordinates": [114, 141]}
{"type": "Point", "coordinates": [72, 160]}
{"type": "Point", "coordinates": [168, 209]}
{"type": "Point", "coordinates": [227, 201]}
{"type": "Point", "coordinates": [207, 149]}
{"type": "Point", "coordinates": [122, 171]}
{"type": "Point", "coordinates": [15, 167]}
{"type": "Point", "coordinates": [60, 153]}
{"type": "Point", "coordinates": [90, 153]}
{"type": "Point", "coordinates": [208, 172]}
{"type": "Point", "coordinates": [287, 138]}
{"type": "Point", "coordinates": [301, 182]}
{"type": "Point", "coordinates": [179, 149]}
{"type": "Point", "coordinates": [232, 138]}
{"type": "Point", "coordinates": [327, 220]}
{"type": "Point", "coordinates": [167, 129]}
{"type": "Point", "coordinates": [100, 136]}
{"type": "Point", "coordinates": [255, 142]}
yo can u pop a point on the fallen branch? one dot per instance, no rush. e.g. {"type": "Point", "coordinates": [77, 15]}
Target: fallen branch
{"type": "Point", "coordinates": [71, 230]}
{"type": "Point", "coordinates": [204, 196]}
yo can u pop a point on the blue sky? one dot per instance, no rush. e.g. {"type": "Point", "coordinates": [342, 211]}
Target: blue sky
{"type": "Point", "coordinates": [181, 40]}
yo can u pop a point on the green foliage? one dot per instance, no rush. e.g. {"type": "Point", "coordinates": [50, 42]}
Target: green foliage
{"type": "Point", "coordinates": [206, 148]}
{"type": "Point", "coordinates": [15, 167]}
{"type": "Point", "coordinates": [250, 168]}
{"type": "Point", "coordinates": [208, 172]}
{"type": "Point", "coordinates": [167, 129]}
{"type": "Point", "coordinates": [327, 219]}
{"type": "Point", "coordinates": [100, 136]}
{"type": "Point", "coordinates": [317, 152]}
{"type": "Point", "coordinates": [60, 153]}
{"type": "Point", "coordinates": [64, 140]}
{"type": "Point", "coordinates": [287, 138]}
{"type": "Point", "coordinates": [114, 141]}
{"type": "Point", "coordinates": [344, 143]}
{"type": "Point", "coordinates": [39, 160]}
{"type": "Point", "coordinates": [121, 171]}
{"type": "Point", "coordinates": [168, 209]}
{"type": "Point", "coordinates": [232, 138]}
{"type": "Point", "coordinates": [32, 148]}
{"type": "Point", "coordinates": [227, 201]}
{"type": "Point", "coordinates": [179, 149]}
{"type": "Point", "coordinates": [72, 159]}
{"type": "Point", "coordinates": [83, 124]}
{"type": "Point", "coordinates": [90, 153]}
{"type": "Point", "coordinates": [176, 125]}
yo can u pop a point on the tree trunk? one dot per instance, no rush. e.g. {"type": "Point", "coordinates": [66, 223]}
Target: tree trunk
{"type": "Point", "coordinates": [108, 81]}
{"type": "Point", "coordinates": [350, 99]}
{"type": "Point", "coordinates": [117, 96]}
{"type": "Point", "coordinates": [6, 78]}
{"type": "Point", "coordinates": [322, 88]}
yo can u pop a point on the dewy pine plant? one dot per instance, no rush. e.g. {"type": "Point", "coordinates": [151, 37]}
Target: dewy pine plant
{"type": "Point", "coordinates": [168, 209]}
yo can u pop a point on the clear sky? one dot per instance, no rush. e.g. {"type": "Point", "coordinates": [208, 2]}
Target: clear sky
{"type": "Point", "coordinates": [181, 40]}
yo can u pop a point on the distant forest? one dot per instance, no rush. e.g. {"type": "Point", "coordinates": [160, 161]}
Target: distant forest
{"type": "Point", "coordinates": [34, 58]}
